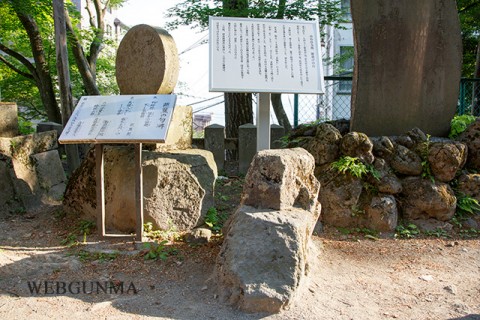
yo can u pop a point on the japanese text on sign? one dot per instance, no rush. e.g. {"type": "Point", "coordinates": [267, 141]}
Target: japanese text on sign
{"type": "Point", "coordinates": [264, 55]}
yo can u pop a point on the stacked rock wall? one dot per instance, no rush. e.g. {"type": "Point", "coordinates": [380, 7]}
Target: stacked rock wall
{"type": "Point", "coordinates": [410, 176]}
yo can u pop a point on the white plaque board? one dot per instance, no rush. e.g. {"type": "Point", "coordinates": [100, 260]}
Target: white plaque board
{"type": "Point", "coordinates": [120, 119]}
{"type": "Point", "coordinates": [265, 55]}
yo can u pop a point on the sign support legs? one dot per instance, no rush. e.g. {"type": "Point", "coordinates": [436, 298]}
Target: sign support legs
{"type": "Point", "coordinates": [139, 191]}
{"type": "Point", "coordinates": [263, 121]}
{"type": "Point", "coordinates": [100, 179]}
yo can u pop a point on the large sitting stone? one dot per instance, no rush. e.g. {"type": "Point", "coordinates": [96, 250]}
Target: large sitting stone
{"type": "Point", "coordinates": [424, 199]}
{"type": "Point", "coordinates": [177, 188]}
{"type": "Point", "coordinates": [280, 179]}
{"type": "Point", "coordinates": [446, 159]}
{"type": "Point", "coordinates": [408, 57]}
{"type": "Point", "coordinates": [263, 259]}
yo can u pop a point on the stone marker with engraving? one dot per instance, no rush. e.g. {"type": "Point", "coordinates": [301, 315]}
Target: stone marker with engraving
{"type": "Point", "coordinates": [407, 66]}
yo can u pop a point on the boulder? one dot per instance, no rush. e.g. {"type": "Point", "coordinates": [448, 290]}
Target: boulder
{"type": "Point", "coordinates": [406, 162]}
{"type": "Point", "coordinates": [358, 145]}
{"type": "Point", "coordinates": [383, 147]}
{"type": "Point", "coordinates": [22, 147]}
{"type": "Point", "coordinates": [50, 174]}
{"type": "Point", "coordinates": [424, 199]}
{"type": "Point", "coordinates": [471, 137]}
{"type": "Point", "coordinates": [263, 259]}
{"type": "Point", "coordinates": [282, 178]}
{"type": "Point", "coordinates": [325, 146]}
{"type": "Point", "coordinates": [8, 201]}
{"type": "Point", "coordinates": [339, 197]}
{"type": "Point", "coordinates": [8, 119]}
{"type": "Point", "coordinates": [388, 182]}
{"type": "Point", "coordinates": [382, 213]}
{"type": "Point", "coordinates": [446, 159]}
{"type": "Point", "coordinates": [469, 184]}
{"type": "Point", "coordinates": [174, 188]}
{"type": "Point", "coordinates": [198, 236]}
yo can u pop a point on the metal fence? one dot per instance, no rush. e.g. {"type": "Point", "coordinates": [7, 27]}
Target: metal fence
{"type": "Point", "coordinates": [335, 103]}
{"type": "Point", "coordinates": [469, 98]}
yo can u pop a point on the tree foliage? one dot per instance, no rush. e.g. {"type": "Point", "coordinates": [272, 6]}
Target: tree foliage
{"type": "Point", "coordinates": [28, 55]}
{"type": "Point", "coordinates": [469, 14]}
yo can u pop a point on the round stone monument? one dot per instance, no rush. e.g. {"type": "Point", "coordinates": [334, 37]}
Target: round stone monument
{"type": "Point", "coordinates": [147, 61]}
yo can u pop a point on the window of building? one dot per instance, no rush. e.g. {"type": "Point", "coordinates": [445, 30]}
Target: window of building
{"type": "Point", "coordinates": [346, 66]}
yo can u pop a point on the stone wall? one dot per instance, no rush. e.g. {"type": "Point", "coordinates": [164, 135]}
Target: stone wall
{"type": "Point", "coordinates": [410, 176]}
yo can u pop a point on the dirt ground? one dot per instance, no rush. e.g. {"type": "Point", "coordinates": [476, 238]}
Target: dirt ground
{"type": "Point", "coordinates": [351, 276]}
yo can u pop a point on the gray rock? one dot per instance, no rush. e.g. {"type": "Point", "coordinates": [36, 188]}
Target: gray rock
{"type": "Point", "coordinates": [340, 195]}
{"type": "Point", "coordinates": [417, 136]}
{"type": "Point", "coordinates": [388, 182]}
{"type": "Point", "coordinates": [263, 259]}
{"type": "Point", "coordinates": [280, 179]}
{"type": "Point", "coordinates": [358, 145]}
{"type": "Point", "coordinates": [382, 213]}
{"type": "Point", "coordinates": [446, 159]}
{"type": "Point", "coordinates": [471, 137]}
{"type": "Point", "coordinates": [424, 199]}
{"type": "Point", "coordinates": [383, 147]}
{"type": "Point", "coordinates": [50, 173]}
{"type": "Point", "coordinates": [173, 193]}
{"type": "Point", "coordinates": [430, 225]}
{"type": "Point", "coordinates": [8, 119]}
{"type": "Point", "coordinates": [21, 147]}
{"type": "Point", "coordinates": [325, 146]}
{"type": "Point", "coordinates": [469, 184]}
{"type": "Point", "coordinates": [405, 161]}
{"type": "Point", "coordinates": [198, 236]}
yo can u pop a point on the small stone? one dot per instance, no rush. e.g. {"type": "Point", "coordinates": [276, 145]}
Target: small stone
{"type": "Point", "coordinates": [451, 289]}
{"type": "Point", "coordinates": [204, 288]}
{"type": "Point", "coordinates": [198, 236]}
{"type": "Point", "coordinates": [27, 235]}
{"type": "Point", "coordinates": [426, 278]}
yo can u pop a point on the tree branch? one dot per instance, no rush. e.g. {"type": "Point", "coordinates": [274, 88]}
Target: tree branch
{"type": "Point", "coordinates": [20, 72]}
{"type": "Point", "coordinates": [468, 7]}
{"type": "Point", "coordinates": [20, 59]}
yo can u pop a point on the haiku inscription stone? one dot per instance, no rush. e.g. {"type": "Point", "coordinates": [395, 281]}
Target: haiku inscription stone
{"type": "Point", "coordinates": [407, 66]}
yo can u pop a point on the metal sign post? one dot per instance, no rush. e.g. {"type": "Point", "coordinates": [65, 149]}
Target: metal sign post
{"type": "Point", "coordinates": [265, 56]}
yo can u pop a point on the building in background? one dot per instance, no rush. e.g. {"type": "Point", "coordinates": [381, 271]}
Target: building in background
{"type": "Point", "coordinates": [339, 54]}
{"type": "Point", "coordinates": [200, 121]}
{"type": "Point", "coordinates": [114, 28]}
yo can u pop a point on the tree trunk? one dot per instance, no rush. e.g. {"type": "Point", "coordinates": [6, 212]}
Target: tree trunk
{"type": "Point", "coordinates": [238, 111]}
{"type": "Point", "coordinates": [73, 158]}
{"type": "Point", "coordinates": [238, 106]}
{"type": "Point", "coordinates": [280, 112]}
{"type": "Point", "coordinates": [43, 78]}
{"type": "Point", "coordinates": [88, 77]}
{"type": "Point", "coordinates": [276, 98]}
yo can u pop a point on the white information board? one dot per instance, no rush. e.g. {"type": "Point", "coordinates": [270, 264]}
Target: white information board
{"type": "Point", "coordinates": [120, 119]}
{"type": "Point", "coordinates": [265, 55]}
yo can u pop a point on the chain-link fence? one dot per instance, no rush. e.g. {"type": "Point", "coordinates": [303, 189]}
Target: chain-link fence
{"type": "Point", "coordinates": [469, 98]}
{"type": "Point", "coordinates": [335, 103]}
